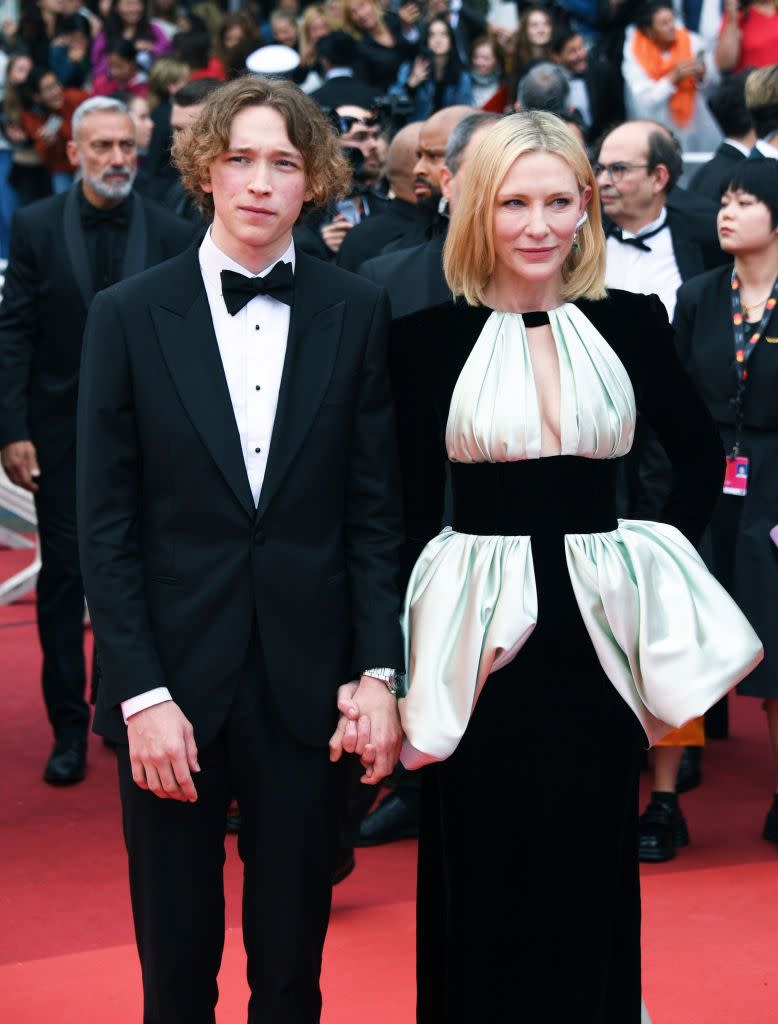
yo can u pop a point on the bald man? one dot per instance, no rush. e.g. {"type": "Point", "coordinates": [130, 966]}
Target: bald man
{"type": "Point", "coordinates": [405, 222]}
{"type": "Point", "coordinates": [431, 152]}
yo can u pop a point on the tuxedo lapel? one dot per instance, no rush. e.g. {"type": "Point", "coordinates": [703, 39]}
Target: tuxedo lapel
{"type": "Point", "coordinates": [191, 351]}
{"type": "Point", "coordinates": [76, 246]}
{"type": "Point", "coordinates": [314, 335]}
{"type": "Point", "coordinates": [135, 252]}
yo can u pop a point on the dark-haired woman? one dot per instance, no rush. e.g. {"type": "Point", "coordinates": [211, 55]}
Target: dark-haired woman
{"type": "Point", "coordinates": [124, 75]}
{"type": "Point", "coordinates": [435, 78]}
{"type": "Point", "coordinates": [128, 19]}
{"type": "Point", "coordinates": [46, 118]}
{"type": "Point", "coordinates": [726, 324]}
{"type": "Point", "coordinates": [39, 24]}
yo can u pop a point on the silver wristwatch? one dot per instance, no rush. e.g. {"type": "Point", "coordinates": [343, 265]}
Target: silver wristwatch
{"type": "Point", "coordinates": [388, 676]}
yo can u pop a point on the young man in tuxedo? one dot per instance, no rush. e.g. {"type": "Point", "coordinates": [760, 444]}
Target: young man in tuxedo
{"type": "Point", "coordinates": [240, 527]}
{"type": "Point", "coordinates": [64, 250]}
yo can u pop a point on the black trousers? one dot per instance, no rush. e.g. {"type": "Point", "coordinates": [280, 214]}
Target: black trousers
{"type": "Point", "coordinates": [289, 797]}
{"type": "Point", "coordinates": [61, 601]}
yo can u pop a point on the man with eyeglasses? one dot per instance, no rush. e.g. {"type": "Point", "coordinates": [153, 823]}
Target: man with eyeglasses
{"type": "Point", "coordinates": [63, 251]}
{"type": "Point", "coordinates": [658, 234]}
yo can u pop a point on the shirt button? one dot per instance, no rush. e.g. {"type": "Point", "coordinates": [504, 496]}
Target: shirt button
{"type": "Point", "coordinates": [257, 387]}
{"type": "Point", "coordinates": [257, 450]}
{"type": "Point", "coordinates": [256, 327]}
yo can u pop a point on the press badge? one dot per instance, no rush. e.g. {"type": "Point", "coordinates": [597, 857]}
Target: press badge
{"type": "Point", "coordinates": [736, 476]}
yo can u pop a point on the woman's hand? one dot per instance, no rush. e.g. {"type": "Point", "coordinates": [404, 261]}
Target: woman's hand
{"type": "Point", "coordinates": [420, 72]}
{"type": "Point", "coordinates": [409, 14]}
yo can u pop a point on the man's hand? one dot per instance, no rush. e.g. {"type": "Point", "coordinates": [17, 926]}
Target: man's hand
{"type": "Point", "coordinates": [163, 752]}
{"type": "Point", "coordinates": [20, 461]}
{"type": "Point", "coordinates": [370, 727]}
{"type": "Point", "coordinates": [684, 69]}
{"type": "Point", "coordinates": [334, 232]}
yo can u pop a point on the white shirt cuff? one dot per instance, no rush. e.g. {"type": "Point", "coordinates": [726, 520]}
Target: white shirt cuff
{"type": "Point", "coordinates": [144, 700]}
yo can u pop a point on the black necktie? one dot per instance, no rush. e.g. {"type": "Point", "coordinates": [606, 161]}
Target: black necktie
{"type": "Point", "coordinates": [238, 290]}
{"type": "Point", "coordinates": [638, 243]}
{"type": "Point", "coordinates": [117, 217]}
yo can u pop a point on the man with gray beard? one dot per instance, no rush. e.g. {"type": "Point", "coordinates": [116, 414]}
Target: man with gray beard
{"type": "Point", "coordinates": [64, 250]}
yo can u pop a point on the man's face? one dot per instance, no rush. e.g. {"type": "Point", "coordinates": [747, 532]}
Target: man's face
{"type": "Point", "coordinates": [573, 56]}
{"type": "Point", "coordinates": [259, 185]}
{"type": "Point", "coordinates": [182, 117]}
{"type": "Point", "coordinates": [634, 190]}
{"type": "Point", "coordinates": [364, 135]}
{"type": "Point", "coordinates": [663, 27]}
{"type": "Point", "coordinates": [106, 152]}
{"type": "Point", "coordinates": [452, 184]}
{"type": "Point", "coordinates": [430, 155]}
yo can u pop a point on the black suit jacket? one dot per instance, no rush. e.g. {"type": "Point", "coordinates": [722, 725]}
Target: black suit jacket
{"type": "Point", "coordinates": [48, 291]}
{"type": "Point", "coordinates": [401, 222]}
{"type": "Point", "coordinates": [178, 564]}
{"type": "Point", "coordinates": [606, 95]}
{"type": "Point", "coordinates": [413, 277]}
{"type": "Point", "coordinates": [709, 179]}
{"type": "Point", "coordinates": [336, 92]}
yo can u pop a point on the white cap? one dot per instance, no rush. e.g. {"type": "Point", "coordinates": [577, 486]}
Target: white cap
{"type": "Point", "coordinates": [273, 60]}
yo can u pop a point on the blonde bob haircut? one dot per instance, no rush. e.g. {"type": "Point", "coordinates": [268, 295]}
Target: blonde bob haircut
{"type": "Point", "coordinates": [469, 257]}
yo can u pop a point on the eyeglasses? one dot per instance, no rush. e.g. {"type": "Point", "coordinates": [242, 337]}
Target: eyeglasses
{"type": "Point", "coordinates": [345, 123]}
{"type": "Point", "coordinates": [615, 171]}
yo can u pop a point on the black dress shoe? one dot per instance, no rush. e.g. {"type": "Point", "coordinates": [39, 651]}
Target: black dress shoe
{"type": "Point", "coordinates": [770, 831]}
{"type": "Point", "coordinates": [689, 770]}
{"type": "Point", "coordinates": [396, 817]}
{"type": "Point", "coordinates": [661, 829]}
{"type": "Point", "coordinates": [344, 867]}
{"type": "Point", "coordinates": [67, 763]}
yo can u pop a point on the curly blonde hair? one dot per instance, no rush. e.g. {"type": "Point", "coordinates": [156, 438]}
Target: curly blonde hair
{"type": "Point", "coordinates": [197, 147]}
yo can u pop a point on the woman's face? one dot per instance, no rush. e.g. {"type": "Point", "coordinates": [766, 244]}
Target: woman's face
{"type": "Point", "coordinates": [744, 224]}
{"type": "Point", "coordinates": [20, 70]}
{"type": "Point", "coordinates": [50, 6]}
{"type": "Point", "coordinates": [318, 28]}
{"type": "Point", "coordinates": [141, 118]}
{"type": "Point", "coordinates": [535, 213]}
{"type": "Point", "coordinates": [130, 11]}
{"type": "Point", "coordinates": [539, 29]}
{"type": "Point", "coordinates": [50, 92]}
{"type": "Point", "coordinates": [233, 36]}
{"type": "Point", "coordinates": [484, 61]}
{"type": "Point", "coordinates": [363, 14]}
{"type": "Point", "coordinates": [438, 39]}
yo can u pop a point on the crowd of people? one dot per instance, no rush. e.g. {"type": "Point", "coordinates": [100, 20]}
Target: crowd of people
{"type": "Point", "coordinates": [644, 153]}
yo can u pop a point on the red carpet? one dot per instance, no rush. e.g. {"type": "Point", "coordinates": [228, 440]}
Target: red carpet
{"type": "Point", "coordinates": [66, 948]}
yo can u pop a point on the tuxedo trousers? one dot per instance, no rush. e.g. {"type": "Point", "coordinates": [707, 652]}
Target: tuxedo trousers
{"type": "Point", "coordinates": [288, 796]}
{"type": "Point", "coordinates": [60, 600]}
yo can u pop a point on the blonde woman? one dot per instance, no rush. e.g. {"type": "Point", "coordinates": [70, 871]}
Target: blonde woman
{"type": "Point", "coordinates": [383, 48]}
{"type": "Point", "coordinates": [537, 617]}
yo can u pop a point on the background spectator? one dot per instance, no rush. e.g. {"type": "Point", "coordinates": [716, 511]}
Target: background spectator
{"type": "Point", "coordinates": [749, 35]}
{"type": "Point", "coordinates": [728, 106]}
{"type": "Point", "coordinates": [762, 104]}
{"type": "Point", "coordinates": [123, 75]}
{"type": "Point", "coordinates": [435, 78]}
{"type": "Point", "coordinates": [381, 44]}
{"type": "Point", "coordinates": [596, 87]}
{"type": "Point", "coordinates": [28, 178]}
{"type": "Point", "coordinates": [69, 52]}
{"type": "Point", "coordinates": [487, 75]}
{"type": "Point", "coordinates": [46, 118]}
{"type": "Point", "coordinates": [128, 19]}
{"type": "Point", "coordinates": [533, 40]}
{"type": "Point", "coordinates": [167, 75]}
{"type": "Point", "coordinates": [164, 15]}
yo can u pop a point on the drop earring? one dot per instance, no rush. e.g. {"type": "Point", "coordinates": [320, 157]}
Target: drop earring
{"type": "Point", "coordinates": [579, 224]}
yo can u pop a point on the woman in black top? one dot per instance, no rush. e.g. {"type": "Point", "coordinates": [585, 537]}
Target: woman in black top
{"type": "Point", "coordinates": [743, 400]}
{"type": "Point", "coordinates": [382, 47]}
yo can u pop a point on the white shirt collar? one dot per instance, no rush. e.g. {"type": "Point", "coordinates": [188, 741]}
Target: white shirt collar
{"type": "Point", "coordinates": [658, 223]}
{"type": "Point", "coordinates": [745, 150]}
{"type": "Point", "coordinates": [213, 261]}
{"type": "Point", "coordinates": [767, 149]}
{"type": "Point", "coordinates": [338, 73]}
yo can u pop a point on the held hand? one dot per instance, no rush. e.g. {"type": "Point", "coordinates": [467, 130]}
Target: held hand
{"type": "Point", "coordinates": [378, 741]}
{"type": "Point", "coordinates": [20, 462]}
{"type": "Point", "coordinates": [163, 752]}
{"type": "Point", "coordinates": [334, 233]}
{"type": "Point", "coordinates": [349, 712]}
{"type": "Point", "coordinates": [683, 69]}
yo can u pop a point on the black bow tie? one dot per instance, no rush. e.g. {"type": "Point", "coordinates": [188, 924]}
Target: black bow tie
{"type": "Point", "coordinates": [638, 243]}
{"type": "Point", "coordinates": [238, 290]}
{"type": "Point", "coordinates": [117, 217]}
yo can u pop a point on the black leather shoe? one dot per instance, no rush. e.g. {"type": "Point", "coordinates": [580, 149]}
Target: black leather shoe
{"type": "Point", "coordinates": [67, 763]}
{"type": "Point", "coordinates": [232, 824]}
{"type": "Point", "coordinates": [661, 829]}
{"type": "Point", "coordinates": [396, 817]}
{"type": "Point", "coordinates": [770, 832]}
{"type": "Point", "coordinates": [344, 867]}
{"type": "Point", "coordinates": [689, 770]}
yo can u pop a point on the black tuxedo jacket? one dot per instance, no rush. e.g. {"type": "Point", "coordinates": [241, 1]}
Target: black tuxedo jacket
{"type": "Point", "coordinates": [712, 176]}
{"type": "Point", "coordinates": [606, 95]}
{"type": "Point", "coordinates": [401, 222]}
{"type": "Point", "coordinates": [178, 564]}
{"type": "Point", "coordinates": [48, 291]}
{"type": "Point", "coordinates": [413, 277]}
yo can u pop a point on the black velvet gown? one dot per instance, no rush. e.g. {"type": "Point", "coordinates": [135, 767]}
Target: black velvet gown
{"type": "Point", "coordinates": [528, 898]}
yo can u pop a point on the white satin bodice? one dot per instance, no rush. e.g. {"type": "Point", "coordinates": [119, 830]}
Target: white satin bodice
{"type": "Point", "coordinates": [494, 414]}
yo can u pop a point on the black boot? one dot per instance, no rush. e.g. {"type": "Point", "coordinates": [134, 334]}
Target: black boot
{"type": "Point", "coordinates": [661, 828]}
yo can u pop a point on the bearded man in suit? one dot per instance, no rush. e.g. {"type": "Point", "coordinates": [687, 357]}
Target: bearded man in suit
{"type": "Point", "coordinates": [64, 250]}
{"type": "Point", "coordinates": [239, 519]}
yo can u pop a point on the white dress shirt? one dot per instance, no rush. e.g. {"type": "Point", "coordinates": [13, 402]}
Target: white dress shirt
{"type": "Point", "coordinates": [252, 346]}
{"type": "Point", "coordinates": [654, 272]}
{"type": "Point", "coordinates": [767, 149]}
